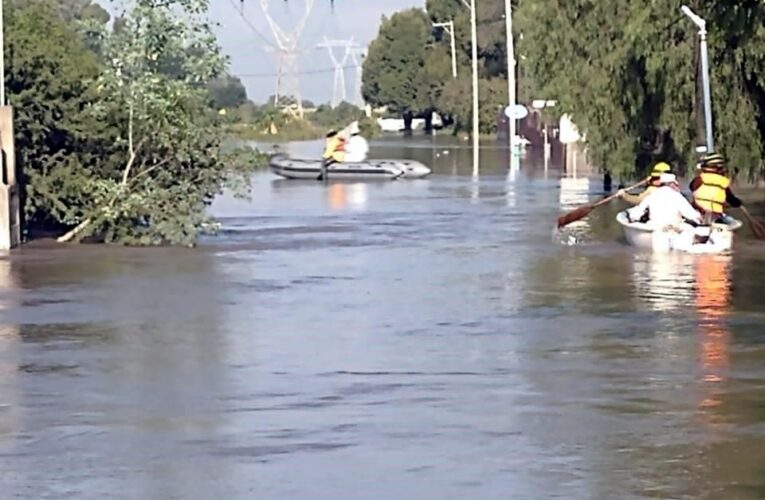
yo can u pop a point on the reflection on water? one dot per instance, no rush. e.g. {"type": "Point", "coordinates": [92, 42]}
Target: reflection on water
{"type": "Point", "coordinates": [698, 285]}
{"type": "Point", "coordinates": [664, 281]}
{"type": "Point", "coordinates": [415, 339]}
{"type": "Point", "coordinates": [712, 301]}
{"type": "Point", "coordinates": [342, 196]}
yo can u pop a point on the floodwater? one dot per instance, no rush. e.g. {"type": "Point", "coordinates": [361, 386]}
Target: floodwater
{"type": "Point", "coordinates": [409, 339]}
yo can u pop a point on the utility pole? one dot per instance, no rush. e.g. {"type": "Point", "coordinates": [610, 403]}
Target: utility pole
{"type": "Point", "coordinates": [702, 25]}
{"type": "Point", "coordinates": [510, 71]}
{"type": "Point", "coordinates": [338, 91]}
{"type": "Point", "coordinates": [474, 44]}
{"type": "Point", "coordinates": [287, 81]}
{"type": "Point", "coordinates": [358, 54]}
{"type": "Point", "coordinates": [449, 28]}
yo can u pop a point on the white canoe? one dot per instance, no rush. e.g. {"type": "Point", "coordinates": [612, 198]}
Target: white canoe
{"type": "Point", "coordinates": [717, 238]}
{"type": "Point", "coordinates": [300, 168]}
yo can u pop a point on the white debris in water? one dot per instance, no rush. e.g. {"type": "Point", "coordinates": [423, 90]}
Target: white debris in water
{"type": "Point", "coordinates": [567, 237]}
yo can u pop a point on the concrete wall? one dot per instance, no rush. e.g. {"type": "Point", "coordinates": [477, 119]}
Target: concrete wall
{"type": "Point", "coordinates": [10, 189]}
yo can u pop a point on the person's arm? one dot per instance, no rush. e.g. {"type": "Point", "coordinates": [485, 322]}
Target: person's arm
{"type": "Point", "coordinates": [687, 210]}
{"type": "Point", "coordinates": [635, 213]}
{"type": "Point", "coordinates": [695, 183]}
{"type": "Point", "coordinates": [732, 199]}
{"type": "Point", "coordinates": [634, 199]}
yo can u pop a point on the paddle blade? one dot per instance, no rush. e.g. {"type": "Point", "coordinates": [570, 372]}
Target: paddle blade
{"type": "Point", "coordinates": [574, 215]}
{"type": "Point", "coordinates": [758, 229]}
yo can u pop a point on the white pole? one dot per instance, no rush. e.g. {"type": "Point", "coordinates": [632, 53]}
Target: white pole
{"type": "Point", "coordinates": [510, 70]}
{"type": "Point", "coordinates": [702, 25]}
{"type": "Point", "coordinates": [454, 49]}
{"type": "Point", "coordinates": [2, 57]}
{"type": "Point", "coordinates": [474, 42]}
{"type": "Point", "coordinates": [707, 96]}
{"type": "Point", "coordinates": [449, 28]}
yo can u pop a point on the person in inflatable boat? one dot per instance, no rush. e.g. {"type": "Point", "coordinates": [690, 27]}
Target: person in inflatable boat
{"type": "Point", "coordinates": [711, 189]}
{"type": "Point", "coordinates": [665, 206]}
{"type": "Point", "coordinates": [334, 148]}
{"type": "Point", "coordinates": [653, 184]}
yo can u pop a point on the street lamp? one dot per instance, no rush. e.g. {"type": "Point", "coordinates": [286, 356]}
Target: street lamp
{"type": "Point", "coordinates": [449, 28]}
{"type": "Point", "coordinates": [510, 71]}
{"type": "Point", "coordinates": [702, 25]}
{"type": "Point", "coordinates": [474, 44]}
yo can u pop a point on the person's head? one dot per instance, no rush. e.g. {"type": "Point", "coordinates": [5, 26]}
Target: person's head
{"type": "Point", "coordinates": [667, 179]}
{"type": "Point", "coordinates": [658, 169]}
{"type": "Point", "coordinates": [713, 162]}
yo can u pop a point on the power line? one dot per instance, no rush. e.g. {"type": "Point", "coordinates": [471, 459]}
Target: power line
{"type": "Point", "coordinates": [306, 72]}
{"type": "Point", "coordinates": [250, 25]}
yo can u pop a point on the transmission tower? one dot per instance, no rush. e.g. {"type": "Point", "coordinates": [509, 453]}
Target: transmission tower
{"type": "Point", "coordinates": [338, 90]}
{"type": "Point", "coordinates": [358, 54]}
{"type": "Point", "coordinates": [287, 51]}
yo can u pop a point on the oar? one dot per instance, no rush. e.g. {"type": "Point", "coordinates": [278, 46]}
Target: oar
{"type": "Point", "coordinates": [758, 228]}
{"type": "Point", "coordinates": [584, 211]}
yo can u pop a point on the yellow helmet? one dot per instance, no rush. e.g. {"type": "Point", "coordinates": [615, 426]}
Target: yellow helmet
{"type": "Point", "coordinates": [660, 168]}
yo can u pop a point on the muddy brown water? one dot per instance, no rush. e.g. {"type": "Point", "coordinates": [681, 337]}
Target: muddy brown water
{"type": "Point", "coordinates": [417, 339]}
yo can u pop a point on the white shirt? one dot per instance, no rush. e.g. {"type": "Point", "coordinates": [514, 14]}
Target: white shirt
{"type": "Point", "coordinates": [666, 207]}
{"type": "Point", "coordinates": [356, 149]}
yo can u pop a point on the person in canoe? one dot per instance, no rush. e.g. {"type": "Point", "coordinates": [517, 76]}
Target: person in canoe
{"type": "Point", "coordinates": [334, 148]}
{"type": "Point", "coordinates": [711, 189]}
{"type": "Point", "coordinates": [665, 206]}
{"type": "Point", "coordinates": [653, 185]}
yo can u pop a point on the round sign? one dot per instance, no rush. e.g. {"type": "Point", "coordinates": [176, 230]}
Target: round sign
{"type": "Point", "coordinates": [517, 111]}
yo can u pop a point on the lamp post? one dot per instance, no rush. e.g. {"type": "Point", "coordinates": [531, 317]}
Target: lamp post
{"type": "Point", "coordinates": [474, 43]}
{"type": "Point", "coordinates": [510, 71]}
{"type": "Point", "coordinates": [474, 57]}
{"type": "Point", "coordinates": [449, 28]}
{"type": "Point", "coordinates": [702, 25]}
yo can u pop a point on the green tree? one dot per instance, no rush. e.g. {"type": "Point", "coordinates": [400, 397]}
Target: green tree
{"type": "Point", "coordinates": [454, 103]}
{"type": "Point", "coordinates": [227, 92]}
{"type": "Point", "coordinates": [336, 118]}
{"type": "Point", "coordinates": [49, 84]}
{"type": "Point", "coordinates": [394, 69]}
{"type": "Point", "coordinates": [169, 142]}
{"type": "Point", "coordinates": [631, 86]}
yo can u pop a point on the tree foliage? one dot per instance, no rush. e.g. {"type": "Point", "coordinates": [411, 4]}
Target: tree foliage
{"type": "Point", "coordinates": [394, 69]}
{"type": "Point", "coordinates": [227, 92]}
{"type": "Point", "coordinates": [49, 83]}
{"type": "Point", "coordinates": [408, 68]}
{"type": "Point", "coordinates": [631, 85]}
{"type": "Point", "coordinates": [120, 144]}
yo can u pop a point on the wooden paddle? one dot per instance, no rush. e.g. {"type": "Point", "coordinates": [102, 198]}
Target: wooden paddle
{"type": "Point", "coordinates": [758, 228]}
{"type": "Point", "coordinates": [584, 211]}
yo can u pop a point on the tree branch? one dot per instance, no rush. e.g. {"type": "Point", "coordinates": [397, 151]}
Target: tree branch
{"type": "Point", "coordinates": [125, 178]}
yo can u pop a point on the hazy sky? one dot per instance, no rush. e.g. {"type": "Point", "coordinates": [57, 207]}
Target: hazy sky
{"type": "Point", "coordinates": [359, 19]}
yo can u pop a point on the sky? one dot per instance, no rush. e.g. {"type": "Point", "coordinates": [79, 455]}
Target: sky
{"type": "Point", "coordinates": [256, 67]}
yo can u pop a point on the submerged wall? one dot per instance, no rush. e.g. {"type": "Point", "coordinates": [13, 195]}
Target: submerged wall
{"type": "Point", "coordinates": [10, 188]}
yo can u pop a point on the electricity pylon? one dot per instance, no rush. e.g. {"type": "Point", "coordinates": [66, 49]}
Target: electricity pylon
{"type": "Point", "coordinates": [287, 51]}
{"type": "Point", "coordinates": [339, 93]}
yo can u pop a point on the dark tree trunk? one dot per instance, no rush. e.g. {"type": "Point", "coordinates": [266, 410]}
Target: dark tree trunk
{"type": "Point", "coordinates": [408, 117]}
{"type": "Point", "coordinates": [429, 121]}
